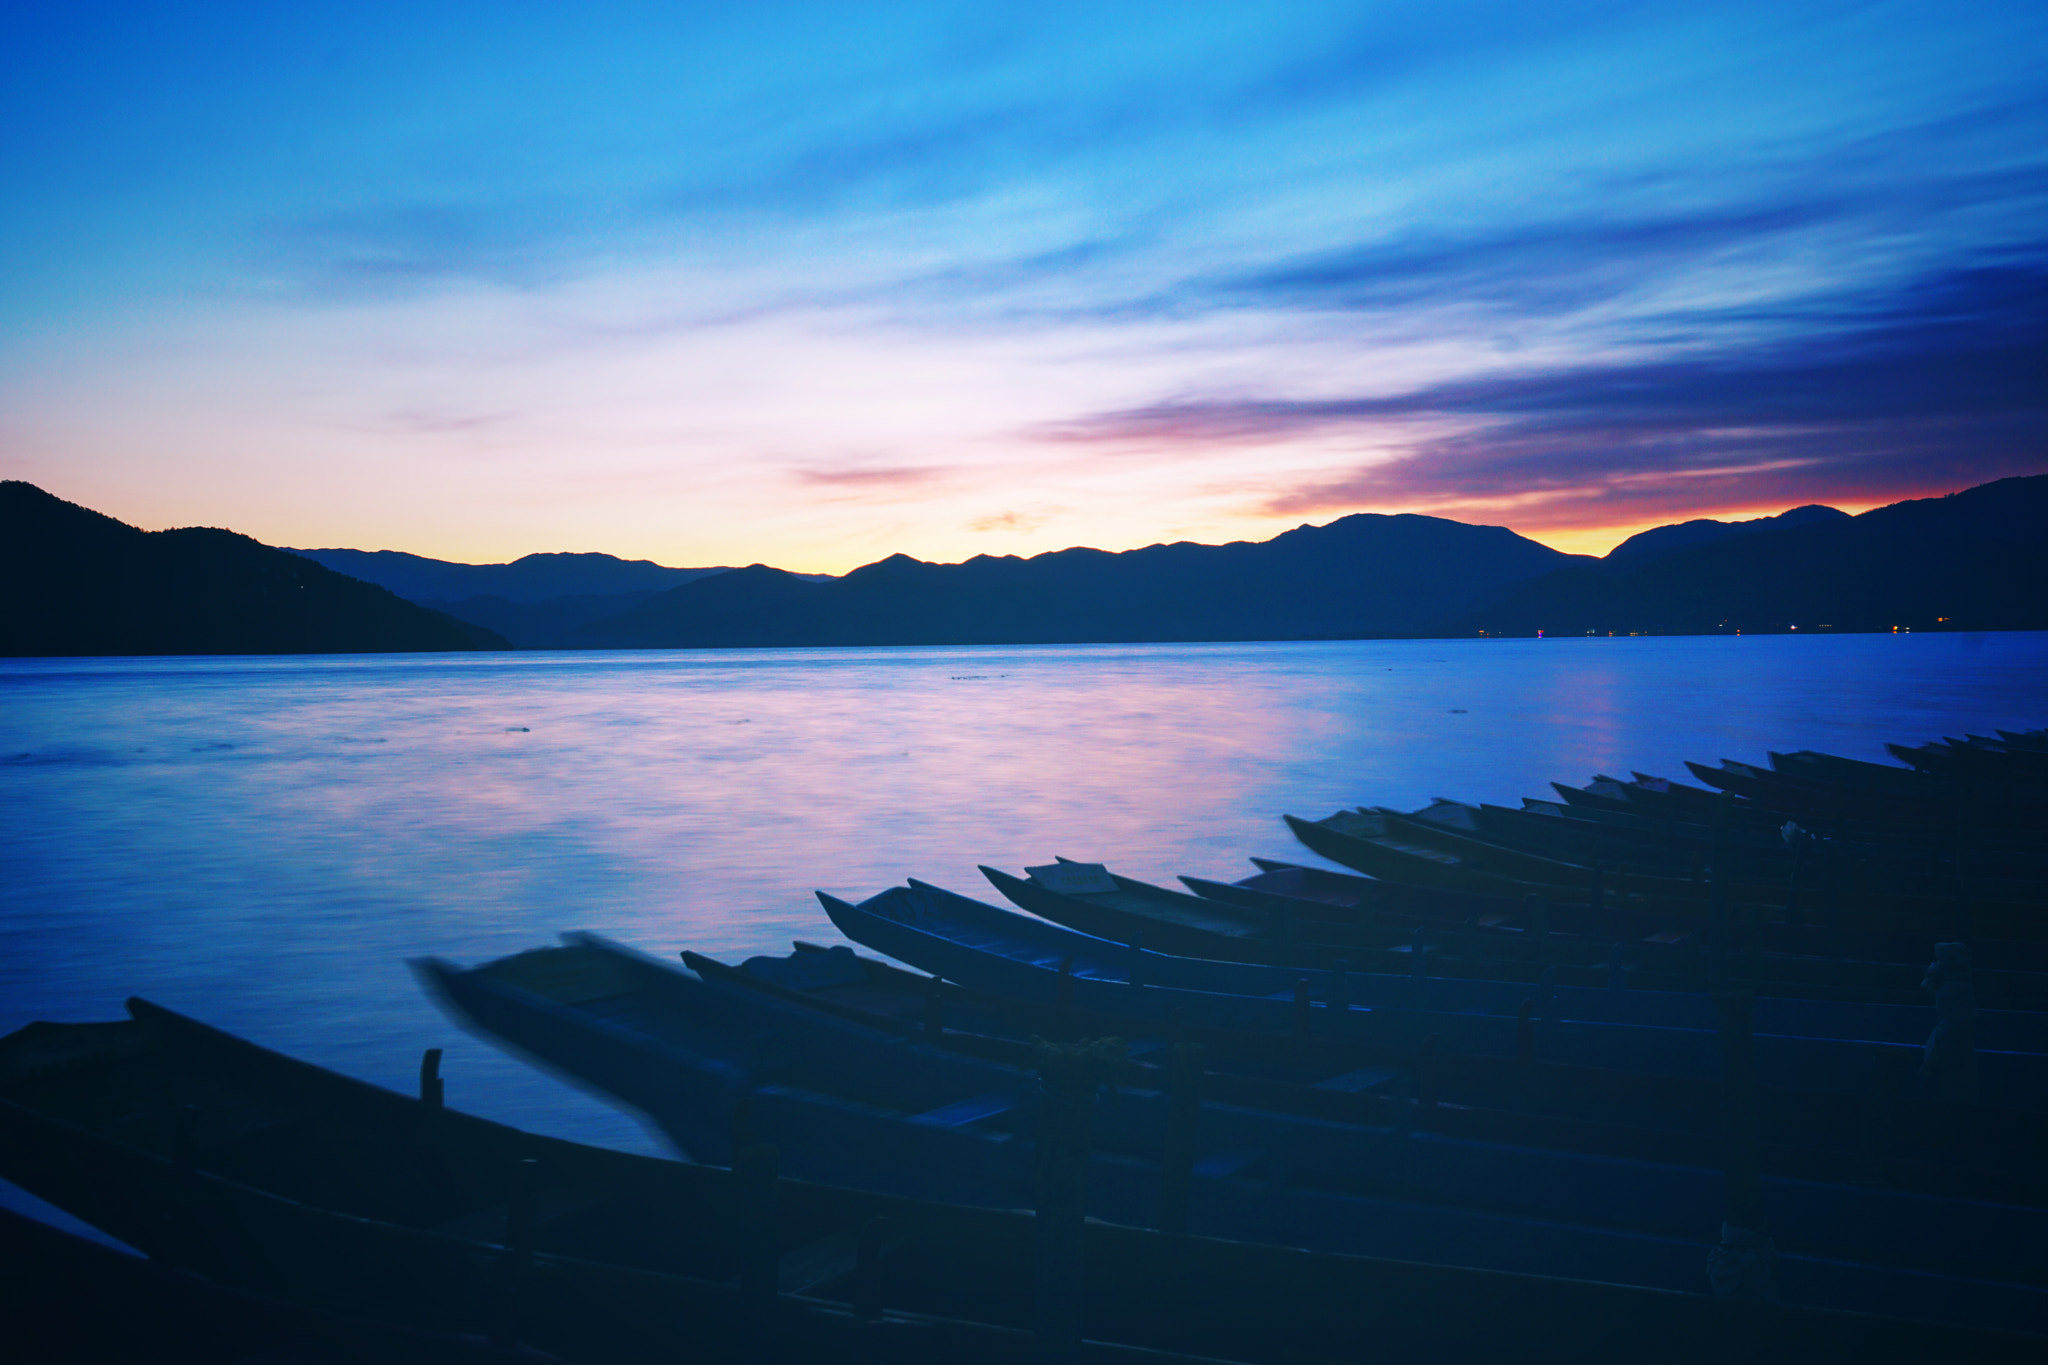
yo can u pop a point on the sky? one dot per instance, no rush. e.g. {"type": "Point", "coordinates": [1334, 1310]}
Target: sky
{"type": "Point", "coordinates": [812, 284]}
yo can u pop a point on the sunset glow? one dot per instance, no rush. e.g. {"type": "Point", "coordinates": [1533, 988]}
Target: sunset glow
{"type": "Point", "coordinates": [809, 285]}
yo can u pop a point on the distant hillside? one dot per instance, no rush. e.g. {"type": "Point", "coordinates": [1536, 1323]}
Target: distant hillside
{"type": "Point", "coordinates": [531, 578]}
{"type": "Point", "coordinates": [1663, 540]}
{"type": "Point", "coordinates": [77, 582]}
{"type": "Point", "coordinates": [550, 624]}
{"type": "Point", "coordinates": [1972, 560]}
{"type": "Point", "coordinates": [1364, 575]}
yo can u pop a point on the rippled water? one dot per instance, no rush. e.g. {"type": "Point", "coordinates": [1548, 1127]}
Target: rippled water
{"type": "Point", "coordinates": [262, 842]}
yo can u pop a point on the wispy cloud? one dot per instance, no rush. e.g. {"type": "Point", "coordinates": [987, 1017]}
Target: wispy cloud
{"type": "Point", "coordinates": [1933, 385]}
{"type": "Point", "coordinates": [917, 274]}
{"type": "Point", "coordinates": [906, 476]}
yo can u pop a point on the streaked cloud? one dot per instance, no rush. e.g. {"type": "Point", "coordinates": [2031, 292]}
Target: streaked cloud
{"type": "Point", "coordinates": [820, 282]}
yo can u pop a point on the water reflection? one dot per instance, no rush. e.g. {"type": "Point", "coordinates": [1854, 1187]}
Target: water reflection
{"type": "Point", "coordinates": [261, 842]}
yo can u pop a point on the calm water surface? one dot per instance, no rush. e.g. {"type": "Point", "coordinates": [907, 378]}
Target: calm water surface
{"type": "Point", "coordinates": [262, 842]}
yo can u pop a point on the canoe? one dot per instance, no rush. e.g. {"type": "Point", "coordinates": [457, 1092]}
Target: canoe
{"type": "Point", "coordinates": [1780, 871]}
{"type": "Point", "coordinates": [1897, 898]}
{"type": "Point", "coordinates": [1090, 898]}
{"type": "Point", "coordinates": [1004, 953]}
{"type": "Point", "coordinates": [71, 1298]}
{"type": "Point", "coordinates": [1237, 1300]}
{"type": "Point", "coordinates": [2015, 818]}
{"type": "Point", "coordinates": [1749, 841]}
{"type": "Point", "coordinates": [1356, 1084]}
{"type": "Point", "coordinates": [292, 1188]}
{"type": "Point", "coordinates": [1395, 848]}
{"type": "Point", "coordinates": [1319, 894]}
{"type": "Point", "coordinates": [1912, 783]}
{"type": "Point", "coordinates": [834, 1095]}
{"type": "Point", "coordinates": [1883, 1124]}
{"type": "Point", "coordinates": [1663, 798]}
{"type": "Point", "coordinates": [1136, 911]}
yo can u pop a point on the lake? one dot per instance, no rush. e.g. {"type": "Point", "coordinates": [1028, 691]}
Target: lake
{"type": "Point", "coordinates": [263, 842]}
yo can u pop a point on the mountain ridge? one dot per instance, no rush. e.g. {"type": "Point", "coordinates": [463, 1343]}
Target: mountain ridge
{"type": "Point", "coordinates": [82, 582]}
{"type": "Point", "coordinates": [79, 582]}
{"type": "Point", "coordinates": [537, 577]}
{"type": "Point", "coordinates": [1365, 574]}
{"type": "Point", "coordinates": [1972, 559]}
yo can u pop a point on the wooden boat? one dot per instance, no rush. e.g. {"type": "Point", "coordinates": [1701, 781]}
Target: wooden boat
{"type": "Point", "coordinates": [1648, 794]}
{"type": "Point", "coordinates": [1387, 845]}
{"type": "Point", "coordinates": [68, 1086]}
{"type": "Point", "coordinates": [835, 1094]}
{"type": "Point", "coordinates": [1978, 760]}
{"type": "Point", "coordinates": [1911, 783]}
{"type": "Point", "coordinates": [1001, 952]}
{"type": "Point", "coordinates": [1319, 894]}
{"type": "Point", "coordinates": [286, 1185]}
{"type": "Point", "coordinates": [1749, 841]}
{"type": "Point", "coordinates": [1771, 864]}
{"type": "Point", "coordinates": [70, 1298]}
{"type": "Point", "coordinates": [1090, 898]}
{"type": "Point", "coordinates": [1897, 900]}
{"type": "Point", "coordinates": [1135, 911]}
{"type": "Point", "coordinates": [1359, 1084]}
{"type": "Point", "coordinates": [1819, 802]}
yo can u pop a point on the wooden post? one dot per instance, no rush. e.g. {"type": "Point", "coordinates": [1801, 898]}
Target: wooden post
{"type": "Point", "coordinates": [1301, 1007]}
{"type": "Point", "coordinates": [432, 1092]}
{"type": "Point", "coordinates": [867, 1269]}
{"type": "Point", "coordinates": [934, 1011]}
{"type": "Point", "coordinates": [1066, 1095]}
{"type": "Point", "coordinates": [759, 1239]}
{"type": "Point", "coordinates": [1183, 1108]}
{"type": "Point", "coordinates": [1717, 890]}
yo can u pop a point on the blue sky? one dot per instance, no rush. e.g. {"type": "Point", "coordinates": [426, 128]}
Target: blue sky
{"type": "Point", "coordinates": [813, 284]}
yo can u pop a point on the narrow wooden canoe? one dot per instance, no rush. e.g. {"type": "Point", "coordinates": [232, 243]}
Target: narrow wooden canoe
{"type": "Point", "coordinates": [1357, 1084]}
{"type": "Point", "coordinates": [1463, 1203]}
{"type": "Point", "coordinates": [69, 1088]}
{"type": "Point", "coordinates": [1004, 953]}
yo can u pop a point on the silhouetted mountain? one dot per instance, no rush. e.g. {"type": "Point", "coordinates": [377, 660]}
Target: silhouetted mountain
{"type": "Point", "coordinates": [77, 582]}
{"type": "Point", "coordinates": [552, 624]}
{"type": "Point", "coordinates": [1364, 575]}
{"type": "Point", "coordinates": [1974, 560]}
{"type": "Point", "coordinates": [1644, 546]}
{"type": "Point", "coordinates": [530, 578]}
